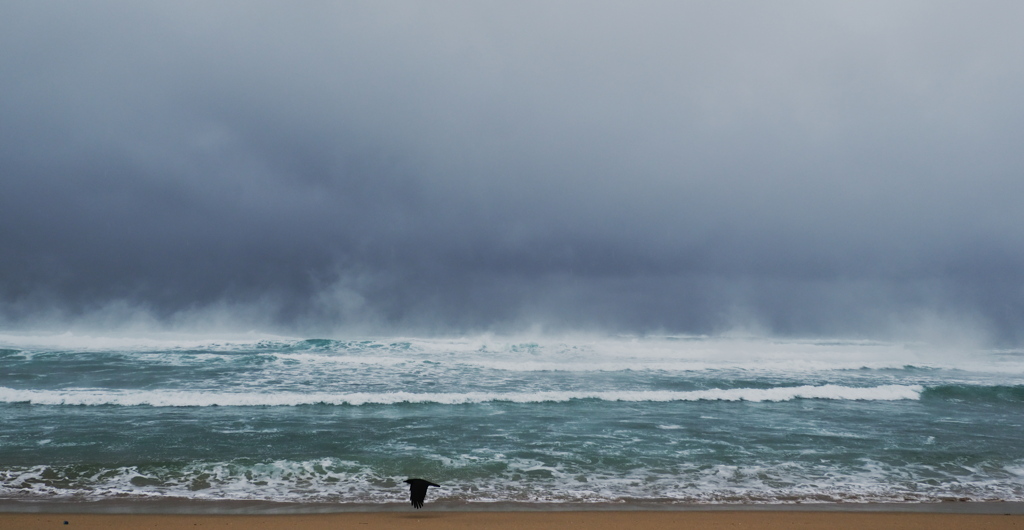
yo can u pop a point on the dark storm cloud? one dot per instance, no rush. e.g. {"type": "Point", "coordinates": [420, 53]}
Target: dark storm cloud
{"type": "Point", "coordinates": [805, 167]}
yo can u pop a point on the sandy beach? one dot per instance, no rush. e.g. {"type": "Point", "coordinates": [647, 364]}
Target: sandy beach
{"type": "Point", "coordinates": [591, 520]}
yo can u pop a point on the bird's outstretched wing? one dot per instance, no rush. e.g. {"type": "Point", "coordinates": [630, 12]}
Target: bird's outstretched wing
{"type": "Point", "coordinates": [417, 494]}
{"type": "Point", "coordinates": [418, 491]}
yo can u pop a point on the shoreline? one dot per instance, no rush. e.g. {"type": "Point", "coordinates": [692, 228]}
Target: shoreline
{"type": "Point", "coordinates": [184, 507]}
{"type": "Point", "coordinates": [525, 520]}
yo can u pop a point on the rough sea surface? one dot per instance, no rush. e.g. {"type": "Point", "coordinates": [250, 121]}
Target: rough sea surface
{"type": "Point", "coordinates": [580, 420]}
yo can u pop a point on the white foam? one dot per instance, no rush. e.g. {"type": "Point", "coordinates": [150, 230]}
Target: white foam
{"type": "Point", "coordinates": [518, 479]}
{"type": "Point", "coordinates": [183, 398]}
{"type": "Point", "coordinates": [576, 354]}
{"type": "Point", "coordinates": [323, 479]}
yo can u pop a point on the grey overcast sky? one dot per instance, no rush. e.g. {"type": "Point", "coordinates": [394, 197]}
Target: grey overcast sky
{"type": "Point", "coordinates": [795, 167]}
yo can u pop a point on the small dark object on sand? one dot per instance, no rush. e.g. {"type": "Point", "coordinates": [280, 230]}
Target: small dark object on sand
{"type": "Point", "coordinates": [418, 491]}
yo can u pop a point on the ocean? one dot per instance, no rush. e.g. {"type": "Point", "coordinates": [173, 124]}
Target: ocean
{"type": "Point", "coordinates": [666, 420]}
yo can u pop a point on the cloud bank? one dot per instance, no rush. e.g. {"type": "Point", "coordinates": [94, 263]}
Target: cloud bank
{"type": "Point", "coordinates": [804, 168]}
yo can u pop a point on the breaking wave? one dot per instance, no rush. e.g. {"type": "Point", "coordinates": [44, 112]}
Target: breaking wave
{"type": "Point", "coordinates": [336, 481]}
{"type": "Point", "coordinates": [193, 398]}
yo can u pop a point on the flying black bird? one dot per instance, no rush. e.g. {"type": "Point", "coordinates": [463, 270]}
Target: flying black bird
{"type": "Point", "coordinates": [418, 491]}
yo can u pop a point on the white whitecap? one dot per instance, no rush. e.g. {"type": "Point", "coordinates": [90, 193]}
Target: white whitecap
{"type": "Point", "coordinates": [198, 398]}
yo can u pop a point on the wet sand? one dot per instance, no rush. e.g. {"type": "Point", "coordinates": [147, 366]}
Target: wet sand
{"type": "Point", "coordinates": [522, 520]}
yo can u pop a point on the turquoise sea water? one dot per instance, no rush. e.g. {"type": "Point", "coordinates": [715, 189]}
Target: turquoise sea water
{"type": "Point", "coordinates": [581, 419]}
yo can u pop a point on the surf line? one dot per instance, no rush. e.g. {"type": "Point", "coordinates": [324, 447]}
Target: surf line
{"type": "Point", "coordinates": [207, 398]}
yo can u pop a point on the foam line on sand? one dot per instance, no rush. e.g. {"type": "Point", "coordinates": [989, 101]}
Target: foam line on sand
{"type": "Point", "coordinates": [589, 520]}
